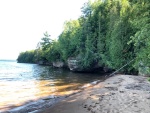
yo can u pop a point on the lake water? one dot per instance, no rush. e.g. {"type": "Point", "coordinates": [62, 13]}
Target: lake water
{"type": "Point", "coordinates": [21, 83]}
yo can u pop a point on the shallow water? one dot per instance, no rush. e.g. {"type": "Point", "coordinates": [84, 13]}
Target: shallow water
{"type": "Point", "coordinates": [21, 83]}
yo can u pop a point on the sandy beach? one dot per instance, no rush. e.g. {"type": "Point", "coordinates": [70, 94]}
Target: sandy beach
{"type": "Point", "coordinates": [117, 94]}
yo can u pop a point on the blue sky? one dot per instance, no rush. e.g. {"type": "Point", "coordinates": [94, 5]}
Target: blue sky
{"type": "Point", "coordinates": [23, 22]}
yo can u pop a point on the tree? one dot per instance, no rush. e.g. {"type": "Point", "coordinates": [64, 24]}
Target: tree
{"type": "Point", "coordinates": [27, 57]}
{"type": "Point", "coordinates": [141, 39]}
{"type": "Point", "coordinates": [109, 33]}
{"type": "Point", "coordinates": [46, 41]}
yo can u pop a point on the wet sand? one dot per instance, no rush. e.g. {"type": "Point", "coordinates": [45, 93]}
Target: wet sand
{"type": "Point", "coordinates": [117, 94]}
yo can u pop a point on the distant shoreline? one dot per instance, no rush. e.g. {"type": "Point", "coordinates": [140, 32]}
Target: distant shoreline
{"type": "Point", "coordinates": [10, 60]}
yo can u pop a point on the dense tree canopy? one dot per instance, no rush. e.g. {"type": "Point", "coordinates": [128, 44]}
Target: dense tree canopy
{"type": "Point", "coordinates": [109, 33]}
{"type": "Point", "coordinates": [27, 57]}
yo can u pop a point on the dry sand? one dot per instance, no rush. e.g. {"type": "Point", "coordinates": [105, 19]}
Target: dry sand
{"type": "Point", "coordinates": [117, 94]}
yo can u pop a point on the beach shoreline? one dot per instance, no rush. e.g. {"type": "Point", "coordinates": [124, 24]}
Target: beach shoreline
{"type": "Point", "coordinates": [117, 94]}
{"type": "Point", "coordinates": [38, 105]}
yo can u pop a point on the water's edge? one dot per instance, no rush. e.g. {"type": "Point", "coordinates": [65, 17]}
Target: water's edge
{"type": "Point", "coordinates": [30, 87]}
{"type": "Point", "coordinates": [49, 101]}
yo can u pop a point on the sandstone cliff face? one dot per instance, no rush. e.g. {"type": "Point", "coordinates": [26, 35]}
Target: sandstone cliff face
{"type": "Point", "coordinates": [58, 64]}
{"type": "Point", "coordinates": [43, 62]}
{"type": "Point", "coordinates": [73, 65]}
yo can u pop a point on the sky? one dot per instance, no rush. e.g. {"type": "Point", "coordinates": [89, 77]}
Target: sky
{"type": "Point", "coordinates": [23, 22]}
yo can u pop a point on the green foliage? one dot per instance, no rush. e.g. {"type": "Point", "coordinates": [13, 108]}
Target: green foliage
{"type": "Point", "coordinates": [46, 41]}
{"type": "Point", "coordinates": [109, 33]}
{"type": "Point", "coordinates": [44, 47]}
{"type": "Point", "coordinates": [68, 40]}
{"type": "Point", "coordinates": [149, 79]}
{"type": "Point", "coordinates": [54, 53]}
{"type": "Point", "coordinates": [141, 39]}
{"type": "Point", "coordinates": [26, 57]}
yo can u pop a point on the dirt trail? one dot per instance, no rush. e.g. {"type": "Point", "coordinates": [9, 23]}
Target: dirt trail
{"type": "Point", "coordinates": [118, 94]}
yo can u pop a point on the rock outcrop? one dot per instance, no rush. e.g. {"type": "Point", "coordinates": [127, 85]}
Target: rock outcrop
{"type": "Point", "coordinates": [42, 62]}
{"type": "Point", "coordinates": [73, 64]}
{"type": "Point", "coordinates": [58, 64]}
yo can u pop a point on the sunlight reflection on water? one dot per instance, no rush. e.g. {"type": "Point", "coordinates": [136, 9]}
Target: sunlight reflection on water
{"type": "Point", "coordinates": [20, 83]}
